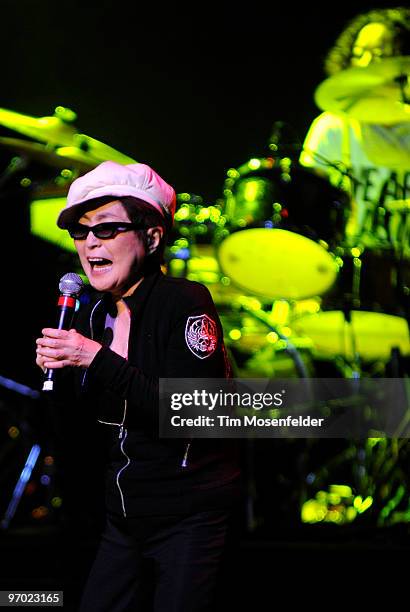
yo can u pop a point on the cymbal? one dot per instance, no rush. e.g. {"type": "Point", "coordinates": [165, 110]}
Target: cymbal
{"type": "Point", "coordinates": [52, 130]}
{"type": "Point", "coordinates": [372, 335]}
{"type": "Point", "coordinates": [62, 157]}
{"type": "Point", "coordinates": [99, 150]}
{"type": "Point", "coordinates": [373, 94]}
{"type": "Point", "coordinates": [58, 130]}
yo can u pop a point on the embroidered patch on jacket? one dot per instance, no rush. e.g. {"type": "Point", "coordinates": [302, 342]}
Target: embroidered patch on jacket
{"type": "Point", "coordinates": [201, 335]}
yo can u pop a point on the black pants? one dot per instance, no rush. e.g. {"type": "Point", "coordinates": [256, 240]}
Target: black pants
{"type": "Point", "coordinates": [160, 563]}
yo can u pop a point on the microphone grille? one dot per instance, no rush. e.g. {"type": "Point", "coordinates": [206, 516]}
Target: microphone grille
{"type": "Point", "coordinates": [71, 284]}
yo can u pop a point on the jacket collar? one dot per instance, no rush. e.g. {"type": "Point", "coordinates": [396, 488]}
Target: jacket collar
{"type": "Point", "coordinates": [136, 303]}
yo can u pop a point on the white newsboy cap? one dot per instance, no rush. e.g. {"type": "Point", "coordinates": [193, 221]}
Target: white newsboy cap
{"type": "Point", "coordinates": [112, 179]}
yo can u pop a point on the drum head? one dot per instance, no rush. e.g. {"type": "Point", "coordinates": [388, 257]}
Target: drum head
{"type": "Point", "coordinates": [371, 334]}
{"type": "Point", "coordinates": [277, 263]}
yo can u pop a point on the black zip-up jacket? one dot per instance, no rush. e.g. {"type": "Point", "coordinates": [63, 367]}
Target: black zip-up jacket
{"type": "Point", "coordinates": [148, 475]}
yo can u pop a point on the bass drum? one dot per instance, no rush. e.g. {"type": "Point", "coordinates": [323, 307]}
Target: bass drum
{"type": "Point", "coordinates": [366, 313]}
{"type": "Point", "coordinates": [283, 223]}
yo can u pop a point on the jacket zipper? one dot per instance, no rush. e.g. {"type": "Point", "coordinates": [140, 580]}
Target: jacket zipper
{"type": "Point", "coordinates": [123, 431]}
{"type": "Point", "coordinates": [122, 436]}
{"type": "Point", "coordinates": [91, 334]}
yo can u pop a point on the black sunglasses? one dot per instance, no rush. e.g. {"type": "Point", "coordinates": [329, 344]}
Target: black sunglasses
{"type": "Point", "coordinates": [104, 231]}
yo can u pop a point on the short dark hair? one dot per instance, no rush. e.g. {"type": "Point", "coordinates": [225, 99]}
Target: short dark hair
{"type": "Point", "coordinates": [397, 20]}
{"type": "Point", "coordinates": [147, 216]}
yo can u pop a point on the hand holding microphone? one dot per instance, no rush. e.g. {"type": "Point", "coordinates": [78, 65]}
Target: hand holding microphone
{"type": "Point", "coordinates": [63, 346]}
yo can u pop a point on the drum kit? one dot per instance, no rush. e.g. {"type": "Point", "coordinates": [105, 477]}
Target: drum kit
{"type": "Point", "coordinates": [275, 253]}
{"type": "Point", "coordinates": [274, 256]}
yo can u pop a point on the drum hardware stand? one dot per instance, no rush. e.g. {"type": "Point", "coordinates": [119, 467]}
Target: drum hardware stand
{"type": "Point", "coordinates": [20, 486]}
{"type": "Point", "coordinates": [251, 521]}
{"type": "Point", "coordinates": [339, 166]}
{"type": "Point", "coordinates": [352, 302]}
{"type": "Point", "coordinates": [290, 348]}
{"type": "Point", "coordinates": [31, 459]}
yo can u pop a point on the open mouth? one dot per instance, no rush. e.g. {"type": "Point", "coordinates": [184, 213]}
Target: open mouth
{"type": "Point", "coordinates": [99, 263]}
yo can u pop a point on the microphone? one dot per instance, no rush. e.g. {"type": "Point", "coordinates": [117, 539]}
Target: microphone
{"type": "Point", "coordinates": [70, 287]}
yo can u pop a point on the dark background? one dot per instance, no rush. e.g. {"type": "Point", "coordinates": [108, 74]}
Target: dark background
{"type": "Point", "coordinates": [191, 91]}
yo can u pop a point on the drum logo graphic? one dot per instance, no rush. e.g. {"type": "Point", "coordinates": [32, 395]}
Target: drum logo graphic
{"type": "Point", "coordinates": [201, 335]}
